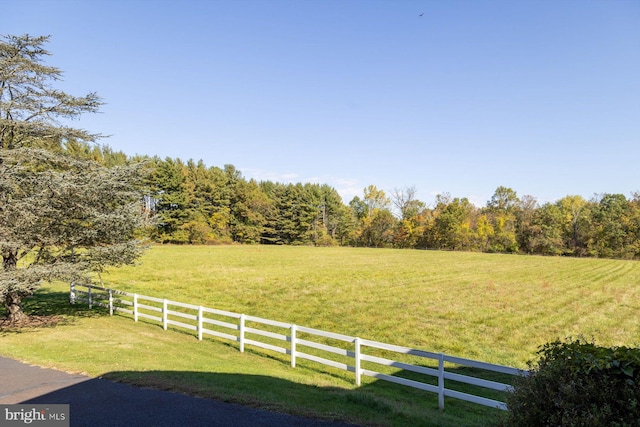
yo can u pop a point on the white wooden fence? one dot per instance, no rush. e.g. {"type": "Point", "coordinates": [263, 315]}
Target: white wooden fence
{"type": "Point", "coordinates": [268, 334]}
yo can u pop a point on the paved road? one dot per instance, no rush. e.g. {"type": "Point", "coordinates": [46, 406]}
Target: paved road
{"type": "Point", "coordinates": [96, 402]}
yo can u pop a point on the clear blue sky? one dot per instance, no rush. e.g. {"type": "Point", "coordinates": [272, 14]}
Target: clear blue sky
{"type": "Point", "coordinates": [447, 96]}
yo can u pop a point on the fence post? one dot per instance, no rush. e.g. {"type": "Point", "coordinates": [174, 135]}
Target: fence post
{"type": "Point", "coordinates": [293, 346]}
{"type": "Point", "coordinates": [72, 293]}
{"type": "Point", "coordinates": [357, 361]}
{"type": "Point", "coordinates": [200, 323]}
{"type": "Point", "coordinates": [441, 382]}
{"type": "Point", "coordinates": [110, 302]}
{"type": "Point", "coordinates": [241, 338]}
{"type": "Point", "coordinates": [135, 307]}
{"type": "Point", "coordinates": [164, 314]}
{"type": "Point", "coordinates": [90, 297]}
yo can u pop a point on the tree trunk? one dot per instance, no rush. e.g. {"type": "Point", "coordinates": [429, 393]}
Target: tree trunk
{"type": "Point", "coordinates": [9, 259]}
{"type": "Point", "coordinates": [13, 305]}
{"type": "Point", "coordinates": [12, 301]}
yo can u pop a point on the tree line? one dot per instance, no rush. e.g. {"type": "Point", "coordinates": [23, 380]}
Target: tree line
{"type": "Point", "coordinates": [197, 204]}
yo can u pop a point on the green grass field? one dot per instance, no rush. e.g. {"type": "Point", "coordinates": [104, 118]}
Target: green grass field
{"type": "Point", "coordinates": [490, 307]}
{"type": "Point", "coordinates": [493, 308]}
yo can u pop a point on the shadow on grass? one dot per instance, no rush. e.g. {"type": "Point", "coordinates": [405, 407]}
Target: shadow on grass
{"type": "Point", "coordinates": [177, 398]}
{"type": "Point", "coordinates": [47, 308]}
{"type": "Point", "coordinates": [47, 302]}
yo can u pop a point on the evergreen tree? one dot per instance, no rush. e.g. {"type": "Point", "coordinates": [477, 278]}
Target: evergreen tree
{"type": "Point", "coordinates": [60, 217]}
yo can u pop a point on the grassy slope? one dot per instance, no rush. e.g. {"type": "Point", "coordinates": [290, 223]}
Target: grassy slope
{"type": "Point", "coordinates": [489, 307]}
{"type": "Point", "coordinates": [116, 348]}
{"type": "Point", "coordinates": [495, 308]}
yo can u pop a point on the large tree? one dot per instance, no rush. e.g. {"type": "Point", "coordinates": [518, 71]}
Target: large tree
{"type": "Point", "coordinates": [61, 217]}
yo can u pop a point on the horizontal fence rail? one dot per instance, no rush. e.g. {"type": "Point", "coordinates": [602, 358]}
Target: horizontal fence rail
{"type": "Point", "coordinates": [296, 341]}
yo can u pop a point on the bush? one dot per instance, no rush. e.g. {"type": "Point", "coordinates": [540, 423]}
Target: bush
{"type": "Point", "coordinates": [577, 383]}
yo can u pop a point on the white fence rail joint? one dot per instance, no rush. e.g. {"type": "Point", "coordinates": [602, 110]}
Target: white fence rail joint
{"type": "Point", "coordinates": [203, 320]}
{"type": "Point", "coordinates": [358, 358]}
{"type": "Point", "coordinates": [293, 345]}
{"type": "Point", "coordinates": [441, 388]}
{"type": "Point", "coordinates": [241, 328]}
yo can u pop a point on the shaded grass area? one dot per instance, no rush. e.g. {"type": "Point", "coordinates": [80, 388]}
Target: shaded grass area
{"type": "Point", "coordinates": [116, 348]}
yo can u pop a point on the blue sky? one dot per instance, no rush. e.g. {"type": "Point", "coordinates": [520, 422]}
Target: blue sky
{"type": "Point", "coordinates": [447, 96]}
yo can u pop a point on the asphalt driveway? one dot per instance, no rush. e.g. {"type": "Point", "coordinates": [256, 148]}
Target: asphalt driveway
{"type": "Point", "coordinates": [97, 402]}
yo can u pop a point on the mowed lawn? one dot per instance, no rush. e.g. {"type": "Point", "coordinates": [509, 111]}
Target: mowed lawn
{"type": "Point", "coordinates": [490, 307]}
{"type": "Point", "coordinates": [494, 308]}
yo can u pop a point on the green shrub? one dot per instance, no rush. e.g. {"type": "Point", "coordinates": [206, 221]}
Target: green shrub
{"type": "Point", "coordinates": [577, 383]}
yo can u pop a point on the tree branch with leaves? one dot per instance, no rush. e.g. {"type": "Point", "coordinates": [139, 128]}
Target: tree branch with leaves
{"type": "Point", "coordinates": [61, 218]}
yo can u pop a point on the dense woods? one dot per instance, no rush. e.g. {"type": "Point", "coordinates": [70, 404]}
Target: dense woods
{"type": "Point", "coordinates": [198, 204]}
